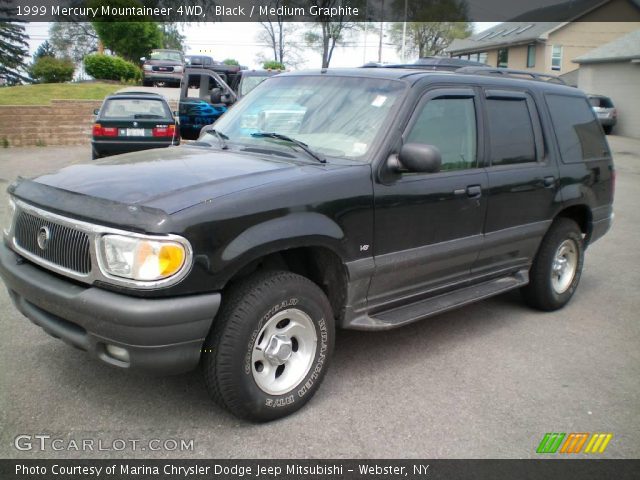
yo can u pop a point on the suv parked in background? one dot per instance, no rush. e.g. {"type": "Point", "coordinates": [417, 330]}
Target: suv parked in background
{"type": "Point", "coordinates": [374, 198]}
{"type": "Point", "coordinates": [132, 121]}
{"type": "Point", "coordinates": [162, 68]}
{"type": "Point", "coordinates": [606, 112]}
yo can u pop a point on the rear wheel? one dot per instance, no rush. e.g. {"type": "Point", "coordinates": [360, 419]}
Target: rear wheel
{"type": "Point", "coordinates": [607, 129]}
{"type": "Point", "coordinates": [556, 270]}
{"type": "Point", "coordinates": [94, 155]}
{"type": "Point", "coordinates": [270, 346]}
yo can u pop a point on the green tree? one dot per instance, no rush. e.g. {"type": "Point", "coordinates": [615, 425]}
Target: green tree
{"type": "Point", "coordinates": [48, 69]}
{"type": "Point", "coordinates": [44, 50]}
{"type": "Point", "coordinates": [171, 36]}
{"type": "Point", "coordinates": [130, 40]}
{"type": "Point", "coordinates": [129, 37]}
{"type": "Point", "coordinates": [231, 61]}
{"type": "Point", "coordinates": [13, 51]}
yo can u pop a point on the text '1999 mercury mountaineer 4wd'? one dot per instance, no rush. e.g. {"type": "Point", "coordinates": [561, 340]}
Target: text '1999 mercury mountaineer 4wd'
{"type": "Point", "coordinates": [365, 198]}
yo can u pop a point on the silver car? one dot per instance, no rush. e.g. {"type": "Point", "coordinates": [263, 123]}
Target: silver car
{"type": "Point", "coordinates": [606, 112]}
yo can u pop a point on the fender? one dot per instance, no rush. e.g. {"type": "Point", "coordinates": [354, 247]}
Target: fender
{"type": "Point", "coordinates": [292, 229]}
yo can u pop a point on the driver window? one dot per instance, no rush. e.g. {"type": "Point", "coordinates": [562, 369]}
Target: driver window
{"type": "Point", "coordinates": [450, 125]}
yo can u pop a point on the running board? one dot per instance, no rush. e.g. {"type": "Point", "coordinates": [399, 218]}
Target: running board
{"type": "Point", "coordinates": [399, 316]}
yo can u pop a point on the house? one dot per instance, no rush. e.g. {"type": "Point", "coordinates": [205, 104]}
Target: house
{"type": "Point", "coordinates": [550, 47]}
{"type": "Point", "coordinates": [613, 70]}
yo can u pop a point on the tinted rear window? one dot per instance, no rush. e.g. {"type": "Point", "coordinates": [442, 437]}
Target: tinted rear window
{"type": "Point", "coordinates": [135, 108]}
{"type": "Point", "coordinates": [577, 129]}
{"type": "Point", "coordinates": [602, 102]}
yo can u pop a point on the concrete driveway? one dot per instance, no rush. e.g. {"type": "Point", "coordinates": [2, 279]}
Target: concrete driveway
{"type": "Point", "coordinates": [485, 381]}
{"type": "Point", "coordinates": [170, 93]}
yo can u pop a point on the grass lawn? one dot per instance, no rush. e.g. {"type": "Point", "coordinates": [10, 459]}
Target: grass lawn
{"type": "Point", "coordinates": [42, 94]}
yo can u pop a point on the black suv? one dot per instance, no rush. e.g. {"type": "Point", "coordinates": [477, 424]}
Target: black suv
{"type": "Point", "coordinates": [362, 198]}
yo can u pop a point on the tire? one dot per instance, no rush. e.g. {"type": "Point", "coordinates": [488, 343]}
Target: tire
{"type": "Point", "coordinates": [242, 354]}
{"type": "Point", "coordinates": [607, 129]}
{"type": "Point", "coordinates": [563, 248]}
{"type": "Point", "coordinates": [94, 155]}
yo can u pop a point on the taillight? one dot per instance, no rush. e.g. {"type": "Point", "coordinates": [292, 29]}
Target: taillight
{"type": "Point", "coordinates": [100, 131]}
{"type": "Point", "coordinates": [164, 131]}
{"type": "Point", "coordinates": [614, 114]}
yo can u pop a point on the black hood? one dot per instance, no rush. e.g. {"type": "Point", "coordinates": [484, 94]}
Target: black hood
{"type": "Point", "coordinates": [172, 179]}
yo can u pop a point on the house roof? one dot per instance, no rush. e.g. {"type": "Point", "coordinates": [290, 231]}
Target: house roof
{"type": "Point", "coordinates": [507, 33]}
{"type": "Point", "coordinates": [529, 27]}
{"type": "Point", "coordinates": [626, 47]}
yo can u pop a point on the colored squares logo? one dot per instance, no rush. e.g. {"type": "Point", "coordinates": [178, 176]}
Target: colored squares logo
{"type": "Point", "coordinates": [574, 443]}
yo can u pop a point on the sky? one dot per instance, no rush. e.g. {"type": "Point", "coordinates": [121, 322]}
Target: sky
{"type": "Point", "coordinates": [239, 40]}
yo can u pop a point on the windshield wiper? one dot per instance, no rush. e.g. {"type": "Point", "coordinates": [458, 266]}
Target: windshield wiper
{"type": "Point", "coordinates": [286, 138]}
{"type": "Point", "coordinates": [220, 136]}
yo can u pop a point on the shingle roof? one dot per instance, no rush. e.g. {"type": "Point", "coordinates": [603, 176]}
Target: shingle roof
{"type": "Point", "coordinates": [507, 33]}
{"type": "Point", "coordinates": [626, 47]}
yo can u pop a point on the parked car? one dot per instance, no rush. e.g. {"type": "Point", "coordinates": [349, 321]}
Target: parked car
{"type": "Point", "coordinates": [199, 61]}
{"type": "Point", "coordinates": [162, 68]}
{"type": "Point", "coordinates": [605, 110]}
{"type": "Point", "coordinates": [207, 92]}
{"type": "Point", "coordinates": [132, 121]}
{"type": "Point", "coordinates": [394, 195]}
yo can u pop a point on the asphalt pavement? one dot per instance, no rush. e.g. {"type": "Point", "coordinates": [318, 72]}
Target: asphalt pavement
{"type": "Point", "coordinates": [485, 381]}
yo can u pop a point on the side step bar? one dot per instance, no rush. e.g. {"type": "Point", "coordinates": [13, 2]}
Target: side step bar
{"type": "Point", "coordinates": [399, 316]}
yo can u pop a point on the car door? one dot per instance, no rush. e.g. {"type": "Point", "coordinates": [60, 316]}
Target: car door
{"type": "Point", "coordinates": [523, 181]}
{"type": "Point", "coordinates": [428, 226]}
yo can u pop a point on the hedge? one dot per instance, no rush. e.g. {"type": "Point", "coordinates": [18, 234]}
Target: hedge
{"type": "Point", "coordinates": [107, 67]}
{"type": "Point", "coordinates": [52, 70]}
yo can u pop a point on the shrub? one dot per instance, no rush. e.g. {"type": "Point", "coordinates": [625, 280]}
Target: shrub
{"type": "Point", "coordinates": [272, 65]}
{"type": "Point", "coordinates": [231, 61]}
{"type": "Point", "coordinates": [48, 69]}
{"type": "Point", "coordinates": [106, 67]}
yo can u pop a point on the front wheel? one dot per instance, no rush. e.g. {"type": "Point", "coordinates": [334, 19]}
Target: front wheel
{"type": "Point", "coordinates": [270, 346]}
{"type": "Point", "coordinates": [556, 270]}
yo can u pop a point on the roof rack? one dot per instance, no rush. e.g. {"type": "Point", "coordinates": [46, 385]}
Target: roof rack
{"type": "Point", "coordinates": [512, 73]}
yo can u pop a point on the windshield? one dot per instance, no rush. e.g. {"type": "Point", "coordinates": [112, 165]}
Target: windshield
{"type": "Point", "coordinates": [334, 116]}
{"type": "Point", "coordinates": [135, 108]}
{"type": "Point", "coordinates": [165, 55]}
{"type": "Point", "coordinates": [250, 82]}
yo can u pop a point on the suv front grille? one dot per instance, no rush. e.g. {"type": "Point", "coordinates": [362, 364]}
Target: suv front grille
{"type": "Point", "coordinates": [63, 246]}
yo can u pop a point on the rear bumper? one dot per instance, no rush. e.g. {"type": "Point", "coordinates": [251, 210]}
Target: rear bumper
{"type": "Point", "coordinates": [607, 122]}
{"type": "Point", "coordinates": [115, 147]}
{"type": "Point", "coordinates": [161, 335]}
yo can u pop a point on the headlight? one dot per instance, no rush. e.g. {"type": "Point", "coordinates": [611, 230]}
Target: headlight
{"type": "Point", "coordinates": [177, 69]}
{"type": "Point", "coordinates": [147, 68]}
{"type": "Point", "coordinates": [12, 212]}
{"type": "Point", "coordinates": [142, 259]}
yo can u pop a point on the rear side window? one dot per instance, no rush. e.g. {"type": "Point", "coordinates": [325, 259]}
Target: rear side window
{"type": "Point", "coordinates": [577, 129]}
{"type": "Point", "coordinates": [511, 134]}
{"type": "Point", "coordinates": [601, 102]}
{"type": "Point", "coordinates": [134, 108]}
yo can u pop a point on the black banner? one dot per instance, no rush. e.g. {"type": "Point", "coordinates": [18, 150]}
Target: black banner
{"type": "Point", "coordinates": [318, 10]}
{"type": "Point", "coordinates": [583, 469]}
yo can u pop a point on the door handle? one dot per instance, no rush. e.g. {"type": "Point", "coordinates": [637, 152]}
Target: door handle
{"type": "Point", "coordinates": [549, 182]}
{"type": "Point", "coordinates": [474, 191]}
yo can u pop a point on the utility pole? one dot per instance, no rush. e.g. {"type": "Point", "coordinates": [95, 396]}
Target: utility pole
{"type": "Point", "coordinates": [404, 30]}
{"type": "Point", "coordinates": [381, 32]}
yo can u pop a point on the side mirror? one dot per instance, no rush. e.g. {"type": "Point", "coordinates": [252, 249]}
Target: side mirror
{"type": "Point", "coordinates": [418, 157]}
{"type": "Point", "coordinates": [96, 111]}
